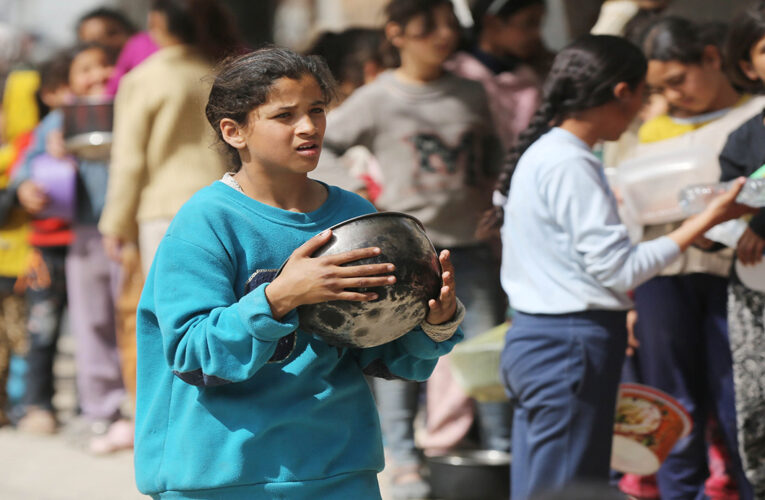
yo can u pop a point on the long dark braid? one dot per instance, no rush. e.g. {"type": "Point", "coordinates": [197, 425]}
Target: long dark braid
{"type": "Point", "coordinates": [583, 76]}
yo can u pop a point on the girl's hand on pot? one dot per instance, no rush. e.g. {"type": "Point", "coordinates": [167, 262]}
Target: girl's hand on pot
{"type": "Point", "coordinates": [442, 310]}
{"type": "Point", "coordinates": [310, 280]}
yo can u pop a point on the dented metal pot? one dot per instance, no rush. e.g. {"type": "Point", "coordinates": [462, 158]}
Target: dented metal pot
{"type": "Point", "coordinates": [399, 307]}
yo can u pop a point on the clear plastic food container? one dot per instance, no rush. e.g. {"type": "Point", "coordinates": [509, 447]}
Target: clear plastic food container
{"type": "Point", "coordinates": [649, 185]}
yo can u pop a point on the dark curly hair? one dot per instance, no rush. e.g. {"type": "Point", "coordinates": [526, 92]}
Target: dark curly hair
{"type": "Point", "coordinates": [244, 82]}
{"type": "Point", "coordinates": [678, 39]}
{"type": "Point", "coordinates": [583, 76]}
{"type": "Point", "coordinates": [205, 24]}
{"type": "Point", "coordinates": [746, 29]}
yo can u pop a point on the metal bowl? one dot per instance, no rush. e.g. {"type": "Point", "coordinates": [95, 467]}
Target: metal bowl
{"type": "Point", "coordinates": [470, 475]}
{"type": "Point", "coordinates": [87, 127]}
{"type": "Point", "coordinates": [399, 307]}
{"type": "Point", "coordinates": [96, 146]}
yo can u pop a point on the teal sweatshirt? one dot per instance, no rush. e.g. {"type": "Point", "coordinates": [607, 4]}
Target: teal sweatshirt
{"type": "Point", "coordinates": [229, 403]}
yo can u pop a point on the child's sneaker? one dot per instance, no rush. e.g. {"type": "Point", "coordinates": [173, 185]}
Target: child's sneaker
{"type": "Point", "coordinates": [38, 421]}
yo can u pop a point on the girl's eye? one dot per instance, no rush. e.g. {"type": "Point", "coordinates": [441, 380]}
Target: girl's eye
{"type": "Point", "coordinates": [317, 110]}
{"type": "Point", "coordinates": [678, 80]}
{"type": "Point", "coordinates": [282, 115]}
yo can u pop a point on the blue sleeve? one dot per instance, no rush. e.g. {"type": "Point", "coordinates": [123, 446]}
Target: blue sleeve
{"type": "Point", "coordinates": [410, 357]}
{"type": "Point", "coordinates": [582, 203]}
{"type": "Point", "coordinates": [209, 335]}
{"type": "Point", "coordinates": [37, 147]}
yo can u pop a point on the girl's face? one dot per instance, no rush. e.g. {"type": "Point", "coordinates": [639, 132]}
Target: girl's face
{"type": "Point", "coordinates": [89, 72]}
{"type": "Point", "coordinates": [105, 31]}
{"type": "Point", "coordinates": [285, 133]}
{"type": "Point", "coordinates": [429, 48]}
{"type": "Point", "coordinates": [519, 35]}
{"type": "Point", "coordinates": [754, 68]}
{"type": "Point", "coordinates": [690, 88]}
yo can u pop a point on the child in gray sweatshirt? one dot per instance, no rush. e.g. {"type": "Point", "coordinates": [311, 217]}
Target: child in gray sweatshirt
{"type": "Point", "coordinates": [432, 134]}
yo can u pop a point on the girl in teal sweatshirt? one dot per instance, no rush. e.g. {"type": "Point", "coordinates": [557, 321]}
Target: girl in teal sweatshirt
{"type": "Point", "coordinates": [234, 400]}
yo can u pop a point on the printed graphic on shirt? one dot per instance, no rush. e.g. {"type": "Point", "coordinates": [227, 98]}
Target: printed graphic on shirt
{"type": "Point", "coordinates": [441, 164]}
{"type": "Point", "coordinates": [285, 345]}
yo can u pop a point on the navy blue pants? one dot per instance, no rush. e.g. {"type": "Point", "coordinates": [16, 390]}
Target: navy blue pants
{"type": "Point", "coordinates": [684, 351]}
{"type": "Point", "coordinates": [562, 373]}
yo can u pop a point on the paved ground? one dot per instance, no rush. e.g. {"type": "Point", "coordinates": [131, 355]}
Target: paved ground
{"type": "Point", "coordinates": [58, 467]}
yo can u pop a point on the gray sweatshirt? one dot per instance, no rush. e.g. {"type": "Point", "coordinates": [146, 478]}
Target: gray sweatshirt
{"type": "Point", "coordinates": [436, 147]}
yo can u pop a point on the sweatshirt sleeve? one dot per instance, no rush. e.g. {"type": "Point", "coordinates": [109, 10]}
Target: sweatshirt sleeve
{"type": "Point", "coordinates": [410, 357]}
{"type": "Point", "coordinates": [209, 336]}
{"type": "Point", "coordinates": [350, 124]}
{"type": "Point", "coordinates": [581, 202]}
{"type": "Point", "coordinates": [37, 147]}
{"type": "Point", "coordinates": [132, 128]}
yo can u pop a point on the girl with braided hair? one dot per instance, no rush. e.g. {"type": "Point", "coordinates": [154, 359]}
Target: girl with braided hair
{"type": "Point", "coordinates": [568, 264]}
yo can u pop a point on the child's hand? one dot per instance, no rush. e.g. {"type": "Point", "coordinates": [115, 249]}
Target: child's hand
{"type": "Point", "coordinates": [309, 280]}
{"type": "Point", "coordinates": [723, 207]}
{"type": "Point", "coordinates": [442, 310]}
{"type": "Point", "coordinates": [32, 197]}
{"type": "Point", "coordinates": [55, 145]}
{"type": "Point", "coordinates": [749, 248]}
{"type": "Point", "coordinates": [113, 247]}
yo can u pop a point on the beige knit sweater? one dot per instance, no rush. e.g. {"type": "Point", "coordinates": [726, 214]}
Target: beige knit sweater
{"type": "Point", "coordinates": [164, 149]}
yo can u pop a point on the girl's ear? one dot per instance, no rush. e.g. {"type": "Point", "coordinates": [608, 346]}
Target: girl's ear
{"type": "Point", "coordinates": [622, 91]}
{"type": "Point", "coordinates": [393, 32]}
{"type": "Point", "coordinates": [232, 133]}
{"type": "Point", "coordinates": [748, 70]}
{"type": "Point", "coordinates": [711, 57]}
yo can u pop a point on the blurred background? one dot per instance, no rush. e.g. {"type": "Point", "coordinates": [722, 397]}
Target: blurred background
{"type": "Point", "coordinates": [295, 23]}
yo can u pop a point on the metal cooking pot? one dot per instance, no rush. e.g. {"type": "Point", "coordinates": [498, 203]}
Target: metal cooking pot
{"type": "Point", "coordinates": [399, 307]}
{"type": "Point", "coordinates": [470, 475]}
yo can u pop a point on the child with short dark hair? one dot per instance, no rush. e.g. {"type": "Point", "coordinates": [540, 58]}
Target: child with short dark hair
{"type": "Point", "coordinates": [234, 399]}
{"type": "Point", "coordinates": [106, 26]}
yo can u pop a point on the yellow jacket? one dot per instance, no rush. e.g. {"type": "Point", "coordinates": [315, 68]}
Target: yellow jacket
{"type": "Point", "coordinates": [21, 115]}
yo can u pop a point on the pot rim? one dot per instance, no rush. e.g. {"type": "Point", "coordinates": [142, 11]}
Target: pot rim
{"type": "Point", "coordinates": [369, 216]}
{"type": "Point", "coordinates": [473, 458]}
{"type": "Point", "coordinates": [377, 214]}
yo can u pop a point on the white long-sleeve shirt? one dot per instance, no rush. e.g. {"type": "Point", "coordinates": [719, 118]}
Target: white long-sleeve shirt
{"type": "Point", "coordinates": [564, 247]}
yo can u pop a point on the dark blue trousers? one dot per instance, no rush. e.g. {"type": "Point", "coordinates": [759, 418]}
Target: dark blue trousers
{"type": "Point", "coordinates": [684, 351]}
{"type": "Point", "coordinates": [562, 373]}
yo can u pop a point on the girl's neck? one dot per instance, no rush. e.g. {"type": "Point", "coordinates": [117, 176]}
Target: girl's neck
{"type": "Point", "coordinates": [289, 191]}
{"type": "Point", "coordinates": [415, 72]}
{"type": "Point", "coordinates": [726, 98]}
{"type": "Point", "coordinates": [586, 130]}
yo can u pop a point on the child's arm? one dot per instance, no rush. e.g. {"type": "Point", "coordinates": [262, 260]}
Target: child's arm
{"type": "Point", "coordinates": [133, 115]}
{"type": "Point", "coordinates": [211, 337]}
{"type": "Point", "coordinates": [29, 194]}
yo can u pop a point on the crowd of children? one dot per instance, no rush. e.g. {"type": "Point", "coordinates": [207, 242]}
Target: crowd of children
{"type": "Point", "coordinates": [479, 133]}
